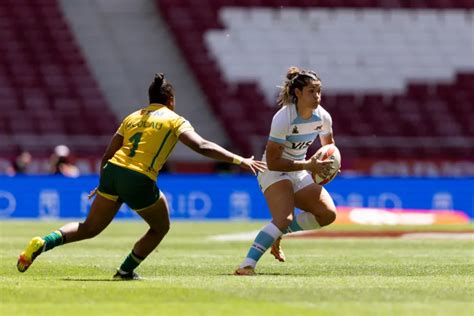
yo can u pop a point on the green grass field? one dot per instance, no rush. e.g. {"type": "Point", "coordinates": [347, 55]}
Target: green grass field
{"type": "Point", "coordinates": [191, 275]}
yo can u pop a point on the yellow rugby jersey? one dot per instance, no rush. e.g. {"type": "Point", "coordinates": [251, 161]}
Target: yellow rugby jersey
{"type": "Point", "coordinates": [149, 136]}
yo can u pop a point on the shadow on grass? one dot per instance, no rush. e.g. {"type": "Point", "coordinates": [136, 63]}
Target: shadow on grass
{"type": "Point", "coordinates": [263, 274]}
{"type": "Point", "coordinates": [95, 280]}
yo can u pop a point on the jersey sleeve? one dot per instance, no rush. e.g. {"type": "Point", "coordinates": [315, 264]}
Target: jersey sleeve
{"type": "Point", "coordinates": [280, 127]}
{"type": "Point", "coordinates": [121, 130]}
{"type": "Point", "coordinates": [327, 123]}
{"type": "Point", "coordinates": [181, 125]}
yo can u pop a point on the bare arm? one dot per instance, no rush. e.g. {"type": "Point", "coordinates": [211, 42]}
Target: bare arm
{"type": "Point", "coordinates": [212, 150]}
{"type": "Point", "coordinates": [206, 148]}
{"type": "Point", "coordinates": [114, 145]}
{"type": "Point", "coordinates": [327, 139]}
{"type": "Point", "coordinates": [276, 162]}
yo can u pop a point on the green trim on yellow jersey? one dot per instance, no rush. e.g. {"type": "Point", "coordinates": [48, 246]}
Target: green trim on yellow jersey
{"type": "Point", "coordinates": [159, 150]}
{"type": "Point", "coordinates": [149, 136]}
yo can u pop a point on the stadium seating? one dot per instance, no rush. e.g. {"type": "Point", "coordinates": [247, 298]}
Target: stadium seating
{"type": "Point", "coordinates": [46, 88]}
{"type": "Point", "coordinates": [239, 51]}
{"type": "Point", "coordinates": [409, 96]}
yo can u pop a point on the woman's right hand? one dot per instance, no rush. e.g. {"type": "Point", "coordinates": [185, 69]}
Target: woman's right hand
{"type": "Point", "coordinates": [253, 165]}
{"type": "Point", "coordinates": [319, 167]}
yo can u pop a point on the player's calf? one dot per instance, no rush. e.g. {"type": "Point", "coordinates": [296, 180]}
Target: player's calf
{"type": "Point", "coordinates": [326, 218]}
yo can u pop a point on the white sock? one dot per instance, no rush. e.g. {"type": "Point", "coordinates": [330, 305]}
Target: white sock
{"type": "Point", "coordinates": [303, 221]}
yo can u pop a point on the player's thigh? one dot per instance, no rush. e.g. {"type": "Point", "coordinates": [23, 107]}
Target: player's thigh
{"type": "Point", "coordinates": [157, 214]}
{"type": "Point", "coordinates": [280, 201]}
{"type": "Point", "coordinates": [101, 213]}
{"type": "Point", "coordinates": [316, 200]}
{"type": "Point", "coordinates": [136, 189]}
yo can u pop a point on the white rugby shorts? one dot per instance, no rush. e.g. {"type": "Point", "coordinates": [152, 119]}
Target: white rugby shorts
{"type": "Point", "coordinates": [299, 179]}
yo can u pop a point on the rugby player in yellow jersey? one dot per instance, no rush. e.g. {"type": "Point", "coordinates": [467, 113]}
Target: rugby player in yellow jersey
{"type": "Point", "coordinates": [129, 170]}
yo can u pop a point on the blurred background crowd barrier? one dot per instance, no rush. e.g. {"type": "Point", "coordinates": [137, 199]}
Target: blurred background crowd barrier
{"type": "Point", "coordinates": [238, 197]}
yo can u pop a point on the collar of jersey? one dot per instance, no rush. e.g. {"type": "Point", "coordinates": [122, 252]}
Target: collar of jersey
{"type": "Point", "coordinates": [155, 106]}
{"type": "Point", "coordinates": [313, 113]}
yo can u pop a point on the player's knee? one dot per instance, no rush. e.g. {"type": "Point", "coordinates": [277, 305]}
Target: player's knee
{"type": "Point", "coordinates": [327, 217]}
{"type": "Point", "coordinates": [282, 223]}
{"type": "Point", "coordinates": [165, 228]}
{"type": "Point", "coordinates": [161, 228]}
{"type": "Point", "coordinates": [89, 231]}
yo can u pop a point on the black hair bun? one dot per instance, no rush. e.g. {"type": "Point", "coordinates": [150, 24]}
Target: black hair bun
{"type": "Point", "coordinates": [159, 78]}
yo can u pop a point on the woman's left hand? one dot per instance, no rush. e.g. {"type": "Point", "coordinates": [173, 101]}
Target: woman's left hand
{"type": "Point", "coordinates": [92, 193]}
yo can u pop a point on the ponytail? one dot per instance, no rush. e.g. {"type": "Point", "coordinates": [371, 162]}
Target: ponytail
{"type": "Point", "coordinates": [285, 96]}
{"type": "Point", "coordinates": [158, 80]}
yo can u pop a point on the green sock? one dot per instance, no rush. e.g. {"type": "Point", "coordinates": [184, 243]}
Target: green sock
{"type": "Point", "coordinates": [52, 240]}
{"type": "Point", "coordinates": [130, 263]}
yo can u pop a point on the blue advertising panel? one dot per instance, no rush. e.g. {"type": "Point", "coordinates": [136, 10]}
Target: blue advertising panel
{"type": "Point", "coordinates": [228, 197]}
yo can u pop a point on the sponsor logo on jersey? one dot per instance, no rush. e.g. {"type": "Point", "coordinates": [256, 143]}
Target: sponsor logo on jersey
{"type": "Point", "coordinates": [301, 145]}
{"type": "Point", "coordinates": [295, 130]}
{"type": "Point", "coordinates": [318, 128]}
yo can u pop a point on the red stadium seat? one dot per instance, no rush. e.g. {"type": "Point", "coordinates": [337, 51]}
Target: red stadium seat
{"type": "Point", "coordinates": [414, 113]}
{"type": "Point", "coordinates": [44, 81]}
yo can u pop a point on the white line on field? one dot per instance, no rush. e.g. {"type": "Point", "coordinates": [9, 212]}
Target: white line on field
{"type": "Point", "coordinates": [460, 236]}
{"type": "Point", "coordinates": [249, 236]}
{"type": "Point", "coordinates": [245, 236]}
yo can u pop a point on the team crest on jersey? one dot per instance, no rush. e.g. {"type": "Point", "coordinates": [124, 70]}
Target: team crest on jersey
{"type": "Point", "coordinates": [295, 130]}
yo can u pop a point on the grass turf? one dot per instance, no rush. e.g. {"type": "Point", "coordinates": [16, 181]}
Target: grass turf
{"type": "Point", "coordinates": [191, 275]}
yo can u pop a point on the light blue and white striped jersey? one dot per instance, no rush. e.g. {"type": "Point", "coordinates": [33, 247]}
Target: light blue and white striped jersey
{"type": "Point", "coordinates": [297, 134]}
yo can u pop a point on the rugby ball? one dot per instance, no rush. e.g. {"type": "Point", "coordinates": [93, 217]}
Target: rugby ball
{"type": "Point", "coordinates": [326, 152]}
